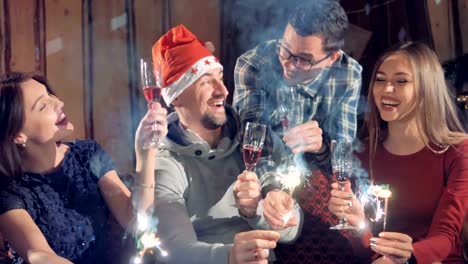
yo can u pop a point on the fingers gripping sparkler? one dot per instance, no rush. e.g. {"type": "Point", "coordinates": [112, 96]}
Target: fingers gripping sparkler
{"type": "Point", "coordinates": [290, 180]}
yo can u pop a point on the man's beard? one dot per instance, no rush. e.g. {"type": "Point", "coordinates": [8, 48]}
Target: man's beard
{"type": "Point", "coordinates": [211, 122]}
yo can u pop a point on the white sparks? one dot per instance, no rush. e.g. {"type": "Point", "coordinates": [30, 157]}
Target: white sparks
{"type": "Point", "coordinates": [143, 221]}
{"type": "Point", "coordinates": [286, 217]}
{"type": "Point", "coordinates": [137, 260]}
{"type": "Point", "coordinates": [150, 240]}
{"type": "Point", "coordinates": [291, 179]}
{"type": "Point", "coordinates": [377, 196]}
{"type": "Point", "coordinates": [362, 225]}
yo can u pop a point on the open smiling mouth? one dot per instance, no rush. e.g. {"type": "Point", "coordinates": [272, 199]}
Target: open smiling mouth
{"type": "Point", "coordinates": [216, 103]}
{"type": "Point", "coordinates": [390, 103]}
{"type": "Point", "coordinates": [62, 120]}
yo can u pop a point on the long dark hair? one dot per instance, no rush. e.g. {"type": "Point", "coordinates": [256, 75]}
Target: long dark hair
{"type": "Point", "coordinates": [12, 120]}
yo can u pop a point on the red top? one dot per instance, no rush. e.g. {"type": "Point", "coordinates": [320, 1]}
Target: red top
{"type": "Point", "coordinates": [429, 198]}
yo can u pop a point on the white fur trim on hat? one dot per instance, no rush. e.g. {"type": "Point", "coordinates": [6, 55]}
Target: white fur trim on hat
{"type": "Point", "coordinates": [198, 69]}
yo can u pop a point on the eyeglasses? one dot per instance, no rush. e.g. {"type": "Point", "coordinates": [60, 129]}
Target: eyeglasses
{"type": "Point", "coordinates": [299, 62]}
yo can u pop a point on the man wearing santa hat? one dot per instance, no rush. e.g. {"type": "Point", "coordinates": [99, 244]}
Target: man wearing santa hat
{"type": "Point", "coordinates": [204, 196]}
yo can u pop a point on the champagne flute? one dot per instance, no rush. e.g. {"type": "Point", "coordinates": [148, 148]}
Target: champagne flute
{"type": "Point", "coordinates": [342, 158]}
{"type": "Point", "coordinates": [254, 136]}
{"type": "Point", "coordinates": [287, 107]}
{"type": "Point", "coordinates": [150, 78]}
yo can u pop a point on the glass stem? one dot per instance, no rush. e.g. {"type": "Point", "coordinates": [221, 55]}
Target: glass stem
{"type": "Point", "coordinates": [342, 185]}
{"type": "Point", "coordinates": [155, 138]}
{"type": "Point", "coordinates": [343, 218]}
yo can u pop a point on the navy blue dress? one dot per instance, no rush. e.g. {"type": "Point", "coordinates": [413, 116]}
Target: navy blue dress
{"type": "Point", "coordinates": [67, 204]}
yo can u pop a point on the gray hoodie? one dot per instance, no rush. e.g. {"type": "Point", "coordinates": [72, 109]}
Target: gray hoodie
{"type": "Point", "coordinates": [194, 190]}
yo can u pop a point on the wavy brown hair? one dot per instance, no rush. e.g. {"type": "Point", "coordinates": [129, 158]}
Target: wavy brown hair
{"type": "Point", "coordinates": [434, 108]}
{"type": "Point", "coordinates": [12, 120]}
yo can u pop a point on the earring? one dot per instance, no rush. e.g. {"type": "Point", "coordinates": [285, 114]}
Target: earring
{"type": "Point", "coordinates": [24, 144]}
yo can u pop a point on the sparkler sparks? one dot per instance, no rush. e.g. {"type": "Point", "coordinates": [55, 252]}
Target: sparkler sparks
{"type": "Point", "coordinates": [291, 178]}
{"type": "Point", "coordinates": [286, 217]}
{"type": "Point", "coordinates": [147, 240]}
{"type": "Point", "coordinates": [377, 197]}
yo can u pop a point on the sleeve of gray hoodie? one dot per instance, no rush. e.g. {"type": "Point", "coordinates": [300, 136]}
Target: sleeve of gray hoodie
{"type": "Point", "coordinates": [175, 228]}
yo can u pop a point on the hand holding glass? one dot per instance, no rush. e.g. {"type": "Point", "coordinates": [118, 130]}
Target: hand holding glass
{"type": "Point", "coordinates": [254, 136]}
{"type": "Point", "coordinates": [342, 158]}
{"type": "Point", "coordinates": [150, 78]}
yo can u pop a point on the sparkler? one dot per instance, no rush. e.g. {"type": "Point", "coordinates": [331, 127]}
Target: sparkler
{"type": "Point", "coordinates": [147, 239]}
{"type": "Point", "coordinates": [375, 195]}
{"type": "Point", "coordinates": [290, 179]}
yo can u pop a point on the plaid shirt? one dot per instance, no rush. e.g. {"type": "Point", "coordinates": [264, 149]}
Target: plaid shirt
{"type": "Point", "coordinates": [331, 98]}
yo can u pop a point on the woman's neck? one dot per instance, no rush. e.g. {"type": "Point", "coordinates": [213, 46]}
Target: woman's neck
{"type": "Point", "coordinates": [43, 158]}
{"type": "Point", "coordinates": [403, 138]}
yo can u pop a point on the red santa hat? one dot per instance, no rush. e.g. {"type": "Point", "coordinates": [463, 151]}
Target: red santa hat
{"type": "Point", "coordinates": [184, 59]}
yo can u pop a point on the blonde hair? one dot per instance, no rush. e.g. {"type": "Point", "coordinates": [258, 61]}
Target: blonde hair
{"type": "Point", "coordinates": [434, 109]}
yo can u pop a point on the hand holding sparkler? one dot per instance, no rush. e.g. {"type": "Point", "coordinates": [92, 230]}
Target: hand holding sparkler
{"type": "Point", "coordinates": [278, 209]}
{"type": "Point", "coordinates": [394, 247]}
{"type": "Point", "coordinates": [343, 203]}
{"type": "Point", "coordinates": [247, 193]}
{"type": "Point", "coordinates": [252, 246]}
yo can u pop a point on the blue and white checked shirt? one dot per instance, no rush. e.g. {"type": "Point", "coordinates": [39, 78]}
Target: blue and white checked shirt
{"type": "Point", "coordinates": [331, 98]}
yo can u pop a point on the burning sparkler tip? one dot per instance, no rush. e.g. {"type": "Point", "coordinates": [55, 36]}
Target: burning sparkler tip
{"type": "Point", "coordinates": [136, 260]}
{"type": "Point", "coordinates": [362, 225]}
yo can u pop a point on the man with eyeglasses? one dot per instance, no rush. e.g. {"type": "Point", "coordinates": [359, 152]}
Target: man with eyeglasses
{"type": "Point", "coordinates": [325, 84]}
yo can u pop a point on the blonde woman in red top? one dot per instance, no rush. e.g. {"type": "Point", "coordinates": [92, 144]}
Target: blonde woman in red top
{"type": "Point", "coordinates": [418, 146]}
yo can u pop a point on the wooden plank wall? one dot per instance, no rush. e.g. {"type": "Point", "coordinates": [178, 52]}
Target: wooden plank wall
{"type": "Point", "coordinates": [89, 51]}
{"type": "Point", "coordinates": [23, 47]}
{"type": "Point", "coordinates": [110, 86]}
{"type": "Point", "coordinates": [440, 14]}
{"type": "Point", "coordinates": [64, 57]}
{"type": "Point", "coordinates": [447, 29]}
{"type": "Point", "coordinates": [203, 19]}
{"type": "Point", "coordinates": [3, 37]}
{"type": "Point", "coordinates": [463, 17]}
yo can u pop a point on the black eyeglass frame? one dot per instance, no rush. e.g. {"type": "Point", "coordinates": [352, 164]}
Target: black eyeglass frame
{"type": "Point", "coordinates": [312, 63]}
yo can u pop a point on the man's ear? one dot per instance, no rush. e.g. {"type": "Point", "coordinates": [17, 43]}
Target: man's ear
{"type": "Point", "coordinates": [20, 139]}
{"type": "Point", "coordinates": [335, 55]}
{"type": "Point", "coordinates": [175, 102]}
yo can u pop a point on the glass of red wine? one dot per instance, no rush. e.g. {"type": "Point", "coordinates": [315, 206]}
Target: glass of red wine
{"type": "Point", "coordinates": [150, 78]}
{"type": "Point", "coordinates": [254, 136]}
{"type": "Point", "coordinates": [287, 107]}
{"type": "Point", "coordinates": [342, 159]}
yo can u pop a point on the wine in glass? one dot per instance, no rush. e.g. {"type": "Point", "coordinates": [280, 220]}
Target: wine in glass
{"type": "Point", "coordinates": [254, 136]}
{"type": "Point", "coordinates": [286, 107]}
{"type": "Point", "coordinates": [342, 158]}
{"type": "Point", "coordinates": [150, 78]}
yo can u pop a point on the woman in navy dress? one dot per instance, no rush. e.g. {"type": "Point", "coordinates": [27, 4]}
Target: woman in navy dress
{"type": "Point", "coordinates": [55, 197]}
